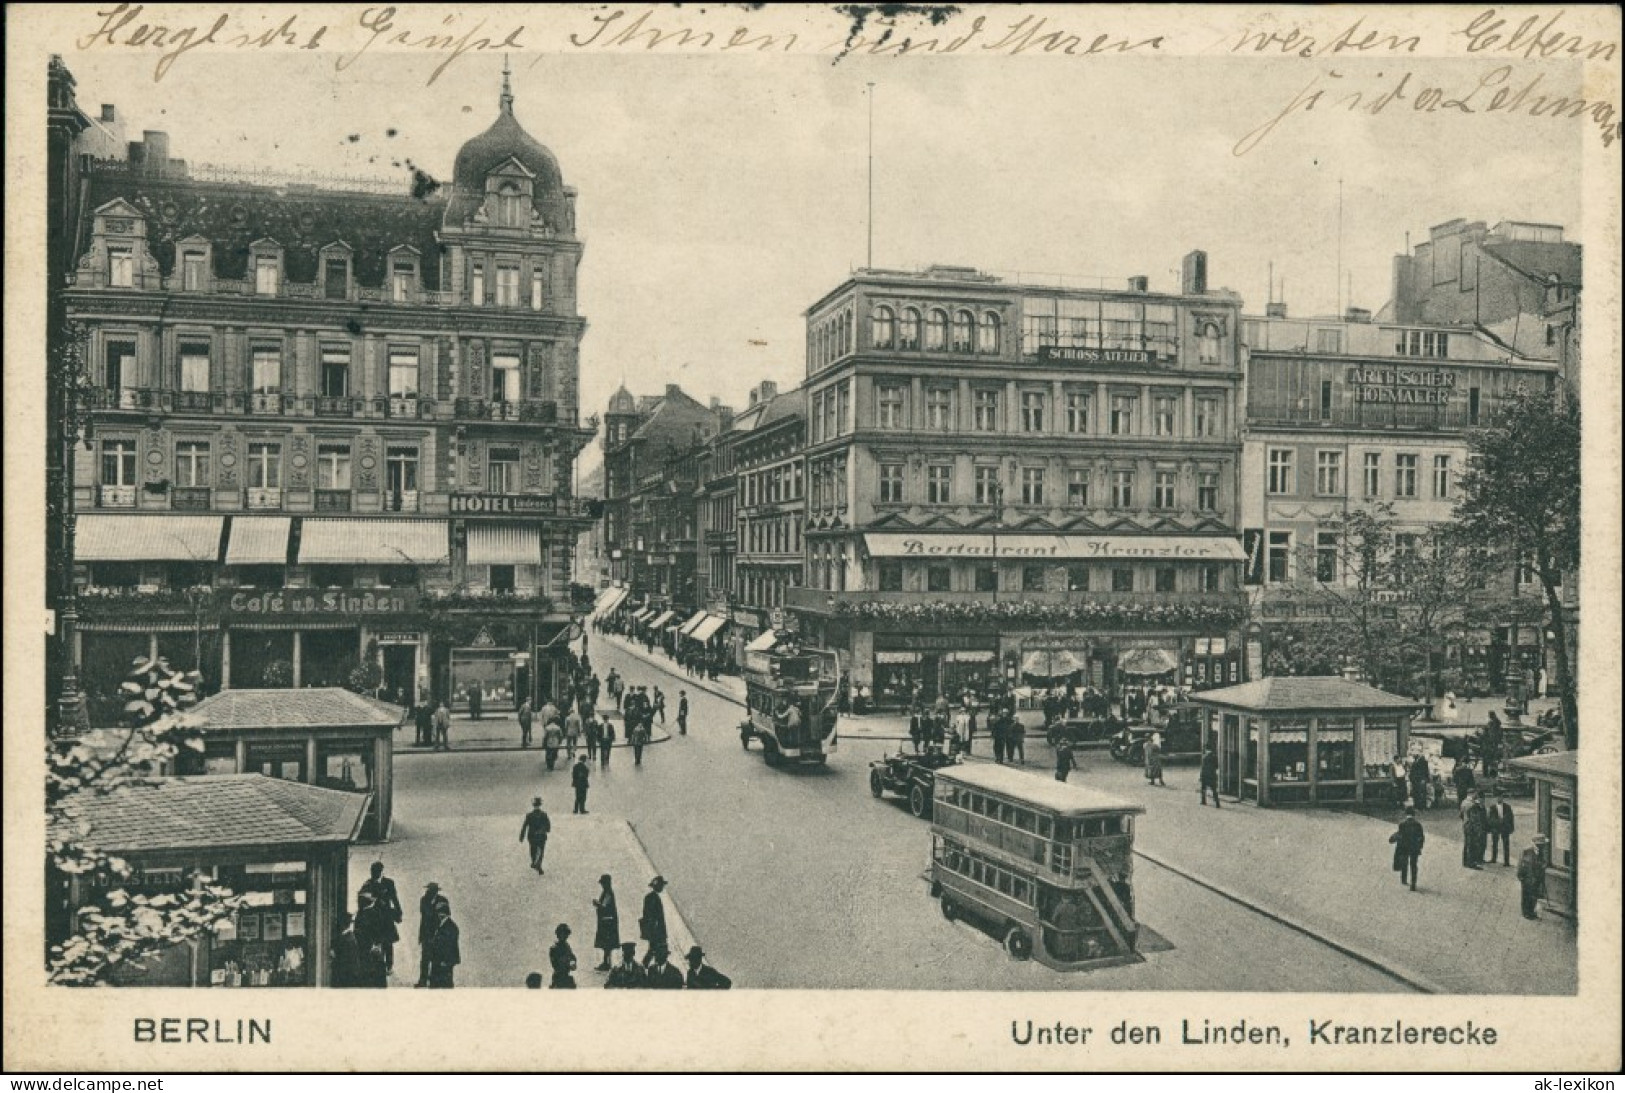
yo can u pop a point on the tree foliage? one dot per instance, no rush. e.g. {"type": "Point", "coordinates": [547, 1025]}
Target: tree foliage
{"type": "Point", "coordinates": [122, 929]}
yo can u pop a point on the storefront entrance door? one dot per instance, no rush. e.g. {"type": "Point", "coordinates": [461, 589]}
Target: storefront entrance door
{"type": "Point", "coordinates": [400, 673]}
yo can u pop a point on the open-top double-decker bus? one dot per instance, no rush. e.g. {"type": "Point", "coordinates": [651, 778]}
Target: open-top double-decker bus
{"type": "Point", "coordinates": [1047, 866]}
{"type": "Point", "coordinates": [790, 697]}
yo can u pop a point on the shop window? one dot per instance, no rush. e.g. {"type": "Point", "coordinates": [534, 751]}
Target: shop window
{"type": "Point", "coordinates": [501, 578]}
{"type": "Point", "coordinates": [1334, 751]}
{"type": "Point", "coordinates": [1210, 578]}
{"type": "Point", "coordinates": [987, 578]}
{"type": "Point", "coordinates": [115, 574]}
{"type": "Point", "coordinates": [891, 576]}
{"type": "Point", "coordinates": [1122, 580]}
{"type": "Point", "coordinates": [345, 764]}
{"type": "Point", "coordinates": [938, 578]}
{"type": "Point", "coordinates": [1289, 753]}
{"type": "Point", "coordinates": [1077, 578]}
{"type": "Point", "coordinates": [1166, 579]}
{"type": "Point", "coordinates": [1032, 578]}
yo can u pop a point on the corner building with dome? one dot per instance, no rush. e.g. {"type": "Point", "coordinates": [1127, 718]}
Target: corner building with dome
{"type": "Point", "coordinates": [329, 426]}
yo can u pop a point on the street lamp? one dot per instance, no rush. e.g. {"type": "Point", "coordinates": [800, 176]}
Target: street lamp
{"type": "Point", "coordinates": [998, 518]}
{"type": "Point", "coordinates": [73, 388]}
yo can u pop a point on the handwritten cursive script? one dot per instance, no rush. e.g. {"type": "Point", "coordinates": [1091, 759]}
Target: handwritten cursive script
{"type": "Point", "coordinates": [451, 38]}
{"type": "Point", "coordinates": [122, 27]}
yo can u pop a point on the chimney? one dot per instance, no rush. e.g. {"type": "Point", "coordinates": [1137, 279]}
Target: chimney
{"type": "Point", "coordinates": [769, 389]}
{"type": "Point", "coordinates": [672, 390]}
{"type": "Point", "coordinates": [755, 396]}
{"type": "Point", "coordinates": [716, 403]}
{"type": "Point", "coordinates": [1193, 274]}
{"type": "Point", "coordinates": [1357, 315]}
{"type": "Point", "coordinates": [109, 112]}
{"type": "Point", "coordinates": [1276, 310]}
{"type": "Point", "coordinates": [1139, 284]}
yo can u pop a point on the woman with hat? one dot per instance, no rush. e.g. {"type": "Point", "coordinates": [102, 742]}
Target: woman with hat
{"type": "Point", "coordinates": [562, 959]}
{"type": "Point", "coordinates": [608, 935]}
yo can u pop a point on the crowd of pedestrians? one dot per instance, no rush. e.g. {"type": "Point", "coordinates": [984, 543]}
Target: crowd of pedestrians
{"type": "Point", "coordinates": [363, 950]}
{"type": "Point", "coordinates": [702, 660]}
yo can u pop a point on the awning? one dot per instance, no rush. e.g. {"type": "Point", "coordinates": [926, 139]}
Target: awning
{"type": "Point", "coordinates": [616, 597]}
{"type": "Point", "coordinates": [762, 642]}
{"type": "Point", "coordinates": [708, 628]}
{"type": "Point", "coordinates": [103, 537]}
{"type": "Point", "coordinates": [645, 613]}
{"type": "Point", "coordinates": [688, 627]}
{"type": "Point", "coordinates": [373, 542]}
{"type": "Point", "coordinates": [504, 544]}
{"type": "Point", "coordinates": [1103, 548]}
{"type": "Point", "coordinates": [660, 619]}
{"type": "Point", "coordinates": [1053, 662]}
{"type": "Point", "coordinates": [606, 598]}
{"type": "Point", "coordinates": [258, 540]}
{"type": "Point", "coordinates": [1147, 662]}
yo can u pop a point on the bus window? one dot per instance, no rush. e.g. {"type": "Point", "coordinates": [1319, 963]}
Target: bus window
{"type": "Point", "coordinates": [1043, 827]}
{"type": "Point", "coordinates": [1020, 890]}
{"type": "Point", "coordinates": [1026, 820]}
{"type": "Point", "coordinates": [1003, 880]}
{"type": "Point", "coordinates": [1114, 825]}
{"type": "Point", "coordinates": [1063, 831]}
{"type": "Point", "coordinates": [1061, 858]}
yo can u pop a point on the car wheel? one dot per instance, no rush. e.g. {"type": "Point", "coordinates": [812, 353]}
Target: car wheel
{"type": "Point", "coordinates": [950, 909]}
{"type": "Point", "coordinates": [1018, 943]}
{"type": "Point", "coordinates": [919, 802]}
{"type": "Point", "coordinates": [877, 785]}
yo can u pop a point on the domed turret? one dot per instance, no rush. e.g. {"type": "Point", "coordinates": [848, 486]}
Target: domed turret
{"type": "Point", "coordinates": [622, 402]}
{"type": "Point", "coordinates": [506, 142]}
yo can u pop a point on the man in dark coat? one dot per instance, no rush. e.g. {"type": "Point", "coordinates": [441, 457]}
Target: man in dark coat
{"type": "Point", "coordinates": [1462, 776]}
{"type": "Point", "coordinates": [652, 924]}
{"type": "Point", "coordinates": [608, 935]}
{"type": "Point", "coordinates": [1421, 780]}
{"type": "Point", "coordinates": [1408, 842]}
{"type": "Point", "coordinates": [702, 976]}
{"type": "Point", "coordinates": [1532, 875]}
{"type": "Point", "coordinates": [682, 713]}
{"type": "Point", "coordinates": [372, 931]}
{"type": "Point", "coordinates": [426, 925]}
{"type": "Point", "coordinates": [1490, 746]}
{"type": "Point", "coordinates": [382, 890]}
{"type": "Point", "coordinates": [628, 974]}
{"type": "Point", "coordinates": [580, 779]}
{"type": "Point", "coordinates": [534, 831]}
{"type": "Point", "coordinates": [606, 742]}
{"type": "Point", "coordinates": [346, 954]}
{"type": "Point", "coordinates": [1209, 776]}
{"type": "Point", "coordinates": [476, 702]}
{"type": "Point", "coordinates": [660, 975]}
{"type": "Point", "coordinates": [423, 716]}
{"type": "Point", "coordinates": [1501, 825]}
{"type": "Point", "coordinates": [1064, 762]}
{"type": "Point", "coordinates": [1474, 832]}
{"type": "Point", "coordinates": [445, 949]}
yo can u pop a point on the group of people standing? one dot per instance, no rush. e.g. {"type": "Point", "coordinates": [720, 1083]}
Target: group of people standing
{"type": "Point", "coordinates": [364, 946]}
{"type": "Point", "coordinates": [1483, 828]}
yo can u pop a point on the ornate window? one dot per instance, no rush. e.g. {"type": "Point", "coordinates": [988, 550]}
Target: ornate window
{"type": "Point", "coordinates": [883, 327]}
{"type": "Point", "coordinates": [908, 336]}
{"type": "Point", "coordinates": [936, 330]}
{"type": "Point", "coordinates": [987, 335]}
{"type": "Point", "coordinates": [964, 332]}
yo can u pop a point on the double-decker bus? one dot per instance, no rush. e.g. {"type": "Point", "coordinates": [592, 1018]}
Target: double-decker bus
{"type": "Point", "coordinates": [790, 699]}
{"type": "Point", "coordinates": [1048, 867]}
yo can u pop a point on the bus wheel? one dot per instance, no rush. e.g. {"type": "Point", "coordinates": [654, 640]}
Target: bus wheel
{"type": "Point", "coordinates": [876, 785]}
{"type": "Point", "coordinates": [1018, 944]}
{"type": "Point", "coordinates": [918, 802]}
{"type": "Point", "coordinates": [950, 909]}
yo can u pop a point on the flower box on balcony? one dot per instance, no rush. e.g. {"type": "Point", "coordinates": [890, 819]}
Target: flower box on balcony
{"type": "Point", "coordinates": [190, 498]}
{"type": "Point", "coordinates": [262, 498]}
{"type": "Point", "coordinates": [116, 497]}
{"type": "Point", "coordinates": [265, 404]}
{"type": "Point", "coordinates": [332, 500]}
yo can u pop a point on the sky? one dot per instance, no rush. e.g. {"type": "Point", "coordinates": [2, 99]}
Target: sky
{"type": "Point", "coordinates": [720, 196]}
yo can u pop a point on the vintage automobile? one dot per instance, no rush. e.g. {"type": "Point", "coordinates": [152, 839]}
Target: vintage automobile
{"type": "Point", "coordinates": [910, 776]}
{"type": "Point", "coordinates": [1084, 730]}
{"type": "Point", "coordinates": [1181, 735]}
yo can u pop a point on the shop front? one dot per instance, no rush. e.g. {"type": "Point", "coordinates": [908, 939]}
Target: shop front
{"type": "Point", "coordinates": [325, 737]}
{"type": "Point", "coordinates": [928, 665]}
{"type": "Point", "coordinates": [282, 846]}
{"type": "Point", "coordinates": [1557, 816]}
{"type": "Point", "coordinates": [1310, 740]}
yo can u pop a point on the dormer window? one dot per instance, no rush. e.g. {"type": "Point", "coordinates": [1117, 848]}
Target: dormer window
{"type": "Point", "coordinates": [336, 278]}
{"type": "Point", "coordinates": [509, 206]}
{"type": "Point", "coordinates": [267, 275]}
{"type": "Point", "coordinates": [194, 271]}
{"type": "Point", "coordinates": [121, 267]}
{"type": "Point", "coordinates": [403, 276]}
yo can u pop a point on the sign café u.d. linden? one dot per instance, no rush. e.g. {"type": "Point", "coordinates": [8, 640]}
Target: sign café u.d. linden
{"type": "Point", "coordinates": [259, 604]}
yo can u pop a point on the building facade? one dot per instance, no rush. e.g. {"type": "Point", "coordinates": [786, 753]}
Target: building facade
{"type": "Point", "coordinates": [771, 493]}
{"type": "Point", "coordinates": [334, 429]}
{"type": "Point", "coordinates": [1022, 483]}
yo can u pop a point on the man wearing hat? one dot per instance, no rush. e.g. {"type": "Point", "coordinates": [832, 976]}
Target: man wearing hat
{"type": "Point", "coordinates": [608, 935]}
{"type": "Point", "coordinates": [1408, 842]}
{"type": "Point", "coordinates": [627, 975]}
{"type": "Point", "coordinates": [426, 925]}
{"type": "Point", "coordinates": [653, 923]}
{"type": "Point", "coordinates": [534, 831]}
{"type": "Point", "coordinates": [445, 949]}
{"type": "Point", "coordinates": [1532, 874]}
{"type": "Point", "coordinates": [660, 975]}
{"type": "Point", "coordinates": [702, 976]}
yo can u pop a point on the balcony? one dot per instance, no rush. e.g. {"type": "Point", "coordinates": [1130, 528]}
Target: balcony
{"type": "Point", "coordinates": [332, 501]}
{"type": "Point", "coordinates": [116, 497]}
{"type": "Point", "coordinates": [336, 406]}
{"type": "Point", "coordinates": [190, 498]}
{"type": "Point", "coordinates": [263, 499]}
{"type": "Point", "coordinates": [409, 406]}
{"type": "Point", "coordinates": [1015, 609]}
{"type": "Point", "coordinates": [124, 398]}
{"type": "Point", "coordinates": [198, 402]}
{"type": "Point", "coordinates": [540, 411]}
{"type": "Point", "coordinates": [265, 404]}
{"type": "Point", "coordinates": [400, 500]}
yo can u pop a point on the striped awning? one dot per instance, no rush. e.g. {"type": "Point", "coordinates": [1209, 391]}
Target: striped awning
{"type": "Point", "coordinates": [660, 620]}
{"type": "Point", "coordinates": [259, 540]}
{"type": "Point", "coordinates": [688, 627]}
{"type": "Point", "coordinates": [104, 537]}
{"type": "Point", "coordinates": [616, 597]}
{"type": "Point", "coordinates": [379, 541]}
{"type": "Point", "coordinates": [504, 544]}
{"type": "Point", "coordinates": [643, 615]}
{"type": "Point", "coordinates": [706, 630]}
{"type": "Point", "coordinates": [762, 642]}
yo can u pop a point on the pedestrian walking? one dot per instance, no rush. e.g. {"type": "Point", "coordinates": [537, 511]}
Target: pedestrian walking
{"type": "Point", "coordinates": [476, 702]}
{"type": "Point", "coordinates": [1015, 740]}
{"type": "Point", "coordinates": [608, 935]}
{"type": "Point", "coordinates": [660, 975]}
{"type": "Point", "coordinates": [442, 727]}
{"type": "Point", "coordinates": [1210, 775]}
{"type": "Point", "coordinates": [996, 728]}
{"type": "Point", "coordinates": [593, 733]}
{"type": "Point", "coordinates": [426, 925]}
{"type": "Point", "coordinates": [580, 780]}
{"type": "Point", "coordinates": [1153, 761]}
{"type": "Point", "coordinates": [424, 716]}
{"type": "Point", "coordinates": [1474, 832]}
{"type": "Point", "coordinates": [682, 713]}
{"type": "Point", "coordinates": [659, 706]}
{"type": "Point", "coordinates": [552, 739]}
{"type": "Point", "coordinates": [628, 974]}
{"type": "Point", "coordinates": [1501, 826]}
{"type": "Point", "coordinates": [1408, 842]}
{"type": "Point", "coordinates": [606, 743]}
{"type": "Point", "coordinates": [1064, 761]}
{"type": "Point", "coordinates": [346, 954]}
{"type": "Point", "coordinates": [638, 738]}
{"type": "Point", "coordinates": [562, 959]}
{"type": "Point", "coordinates": [382, 890]}
{"type": "Point", "coordinates": [445, 948]}
{"type": "Point", "coordinates": [702, 976]}
{"type": "Point", "coordinates": [526, 717]}
{"type": "Point", "coordinates": [652, 924]}
{"type": "Point", "coordinates": [572, 732]}
{"type": "Point", "coordinates": [534, 831]}
{"type": "Point", "coordinates": [593, 687]}
{"type": "Point", "coordinates": [1532, 875]}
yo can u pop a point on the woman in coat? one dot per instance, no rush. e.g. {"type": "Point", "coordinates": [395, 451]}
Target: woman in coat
{"type": "Point", "coordinates": [608, 935]}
